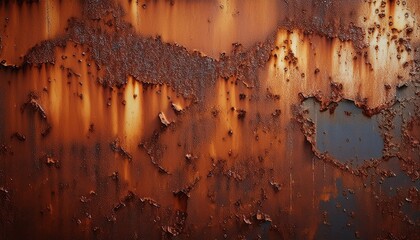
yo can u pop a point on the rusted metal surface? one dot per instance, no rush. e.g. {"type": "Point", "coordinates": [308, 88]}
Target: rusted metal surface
{"type": "Point", "coordinates": [209, 119]}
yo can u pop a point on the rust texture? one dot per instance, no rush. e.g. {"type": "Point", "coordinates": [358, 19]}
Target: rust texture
{"type": "Point", "coordinates": [228, 119]}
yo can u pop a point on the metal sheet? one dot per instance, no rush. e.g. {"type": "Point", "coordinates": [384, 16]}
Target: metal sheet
{"type": "Point", "coordinates": [209, 119]}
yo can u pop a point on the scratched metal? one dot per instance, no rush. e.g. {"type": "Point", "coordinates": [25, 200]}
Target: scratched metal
{"type": "Point", "coordinates": [228, 119]}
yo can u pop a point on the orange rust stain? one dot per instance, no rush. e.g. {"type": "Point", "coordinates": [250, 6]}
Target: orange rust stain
{"type": "Point", "coordinates": [310, 64]}
{"type": "Point", "coordinates": [210, 27]}
{"type": "Point", "coordinates": [103, 159]}
{"type": "Point", "coordinates": [27, 24]}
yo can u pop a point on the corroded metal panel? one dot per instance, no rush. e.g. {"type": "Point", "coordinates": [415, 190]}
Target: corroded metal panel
{"type": "Point", "coordinates": [228, 119]}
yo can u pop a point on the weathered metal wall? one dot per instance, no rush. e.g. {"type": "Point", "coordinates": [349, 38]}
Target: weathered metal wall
{"type": "Point", "coordinates": [288, 119]}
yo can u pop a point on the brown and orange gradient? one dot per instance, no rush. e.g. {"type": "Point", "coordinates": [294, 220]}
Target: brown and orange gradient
{"type": "Point", "coordinates": [183, 119]}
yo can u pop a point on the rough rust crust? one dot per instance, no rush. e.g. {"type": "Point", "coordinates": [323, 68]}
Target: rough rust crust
{"type": "Point", "coordinates": [117, 49]}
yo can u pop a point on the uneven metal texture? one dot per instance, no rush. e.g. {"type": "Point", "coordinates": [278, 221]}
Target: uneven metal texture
{"type": "Point", "coordinates": [228, 119]}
